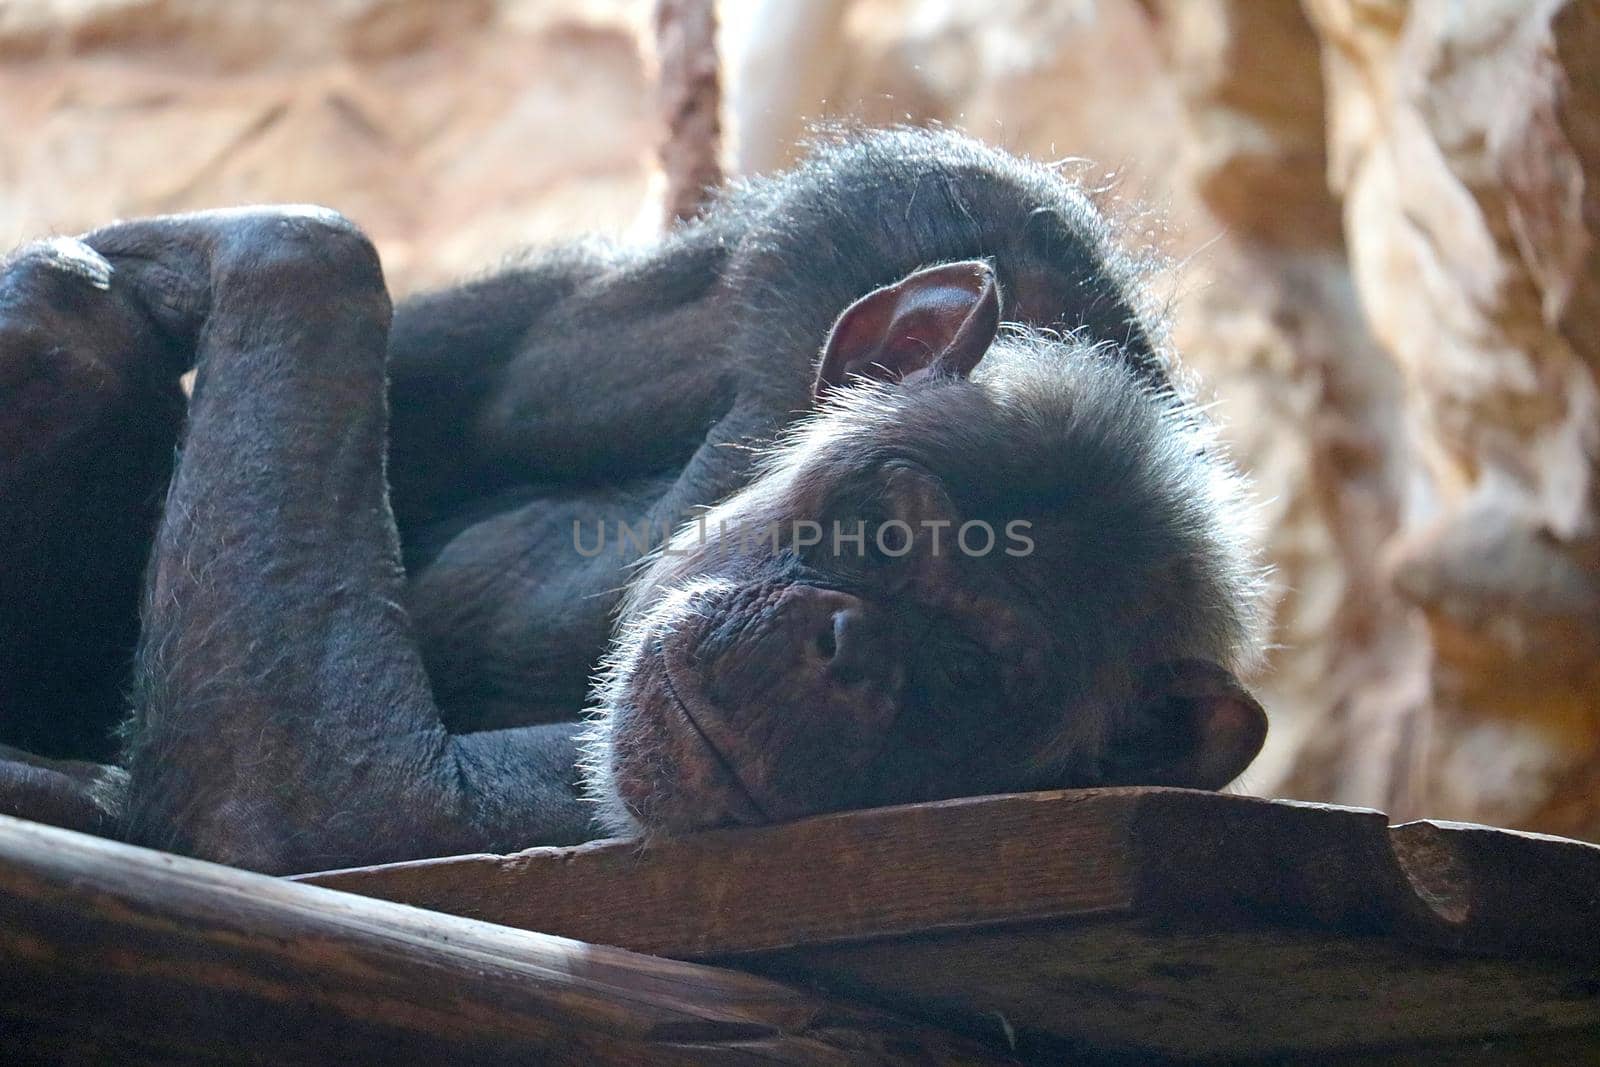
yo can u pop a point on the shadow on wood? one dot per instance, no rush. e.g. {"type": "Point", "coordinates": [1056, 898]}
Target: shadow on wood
{"type": "Point", "coordinates": [110, 953]}
{"type": "Point", "coordinates": [1105, 923]}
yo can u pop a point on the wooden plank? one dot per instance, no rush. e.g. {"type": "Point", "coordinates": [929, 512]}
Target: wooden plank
{"type": "Point", "coordinates": [1202, 989]}
{"type": "Point", "coordinates": [689, 103]}
{"type": "Point", "coordinates": [1504, 891]}
{"type": "Point", "coordinates": [1133, 923]}
{"type": "Point", "coordinates": [109, 952]}
{"type": "Point", "coordinates": [1021, 858]}
{"type": "Point", "coordinates": [890, 870]}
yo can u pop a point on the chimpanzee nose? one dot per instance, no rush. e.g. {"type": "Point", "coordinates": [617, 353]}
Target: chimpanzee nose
{"type": "Point", "coordinates": [846, 642]}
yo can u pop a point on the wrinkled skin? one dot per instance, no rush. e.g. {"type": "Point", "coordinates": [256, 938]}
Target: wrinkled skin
{"type": "Point", "coordinates": [367, 625]}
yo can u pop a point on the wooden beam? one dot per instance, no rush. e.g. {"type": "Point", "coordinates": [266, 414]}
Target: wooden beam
{"type": "Point", "coordinates": [1141, 923]}
{"type": "Point", "coordinates": [114, 953]}
{"type": "Point", "coordinates": [689, 101]}
{"type": "Point", "coordinates": [958, 864]}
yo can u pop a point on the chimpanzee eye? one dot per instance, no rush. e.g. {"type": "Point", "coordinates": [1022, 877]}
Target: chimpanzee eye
{"type": "Point", "coordinates": [883, 540]}
{"type": "Point", "coordinates": [857, 537]}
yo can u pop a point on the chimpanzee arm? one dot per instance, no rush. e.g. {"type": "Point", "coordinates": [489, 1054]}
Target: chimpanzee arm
{"type": "Point", "coordinates": [72, 793]}
{"type": "Point", "coordinates": [589, 364]}
{"type": "Point", "coordinates": [449, 351]}
{"type": "Point", "coordinates": [284, 720]}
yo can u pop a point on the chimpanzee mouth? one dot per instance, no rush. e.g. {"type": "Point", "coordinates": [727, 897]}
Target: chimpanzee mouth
{"type": "Point", "coordinates": [674, 687]}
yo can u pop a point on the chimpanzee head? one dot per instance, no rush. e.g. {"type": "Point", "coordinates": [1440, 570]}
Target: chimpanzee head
{"type": "Point", "coordinates": [993, 560]}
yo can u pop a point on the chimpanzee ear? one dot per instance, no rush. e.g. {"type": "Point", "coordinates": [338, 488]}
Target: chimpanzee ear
{"type": "Point", "coordinates": [940, 320]}
{"type": "Point", "coordinates": [1195, 726]}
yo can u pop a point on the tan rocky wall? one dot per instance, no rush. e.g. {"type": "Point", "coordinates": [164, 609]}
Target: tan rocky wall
{"type": "Point", "coordinates": [453, 131]}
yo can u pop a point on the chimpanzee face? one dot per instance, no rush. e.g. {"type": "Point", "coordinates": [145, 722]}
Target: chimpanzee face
{"type": "Point", "coordinates": [951, 580]}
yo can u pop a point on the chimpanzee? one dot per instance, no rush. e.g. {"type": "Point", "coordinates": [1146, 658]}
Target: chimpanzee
{"type": "Point", "coordinates": [948, 522]}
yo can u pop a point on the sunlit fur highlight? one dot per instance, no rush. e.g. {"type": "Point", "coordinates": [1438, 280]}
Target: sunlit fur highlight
{"type": "Point", "coordinates": [1042, 411]}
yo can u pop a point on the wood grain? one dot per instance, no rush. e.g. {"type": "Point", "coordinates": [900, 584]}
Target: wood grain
{"type": "Point", "coordinates": [110, 953]}
{"type": "Point", "coordinates": [1201, 989]}
{"type": "Point", "coordinates": [973, 862]}
{"type": "Point", "coordinates": [689, 102]}
{"type": "Point", "coordinates": [1137, 924]}
{"type": "Point", "coordinates": [891, 870]}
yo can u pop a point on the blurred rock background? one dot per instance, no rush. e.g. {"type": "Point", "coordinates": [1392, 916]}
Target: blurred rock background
{"type": "Point", "coordinates": [1381, 219]}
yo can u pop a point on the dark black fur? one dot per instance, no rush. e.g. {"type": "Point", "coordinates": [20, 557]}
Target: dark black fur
{"type": "Point", "coordinates": [307, 696]}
